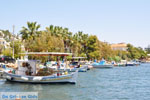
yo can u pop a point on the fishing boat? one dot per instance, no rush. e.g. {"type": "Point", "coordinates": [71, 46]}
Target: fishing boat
{"type": "Point", "coordinates": [102, 64]}
{"type": "Point", "coordinates": [21, 75]}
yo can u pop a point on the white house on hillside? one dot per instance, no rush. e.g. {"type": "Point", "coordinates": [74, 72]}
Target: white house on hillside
{"type": "Point", "coordinates": [4, 43]}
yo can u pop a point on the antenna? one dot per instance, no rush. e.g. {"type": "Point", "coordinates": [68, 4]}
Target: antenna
{"type": "Point", "coordinates": [13, 39]}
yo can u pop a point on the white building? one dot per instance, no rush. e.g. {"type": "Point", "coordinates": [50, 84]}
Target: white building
{"type": "Point", "coordinates": [4, 43]}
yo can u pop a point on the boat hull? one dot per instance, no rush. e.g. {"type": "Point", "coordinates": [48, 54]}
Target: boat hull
{"type": "Point", "coordinates": [1, 74]}
{"type": "Point", "coordinates": [70, 78]}
{"type": "Point", "coordinates": [102, 66]}
{"type": "Point", "coordinates": [81, 69]}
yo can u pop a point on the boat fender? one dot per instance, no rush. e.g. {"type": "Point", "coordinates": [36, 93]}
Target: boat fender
{"type": "Point", "coordinates": [66, 73]}
{"type": "Point", "coordinates": [37, 78]}
{"type": "Point", "coordinates": [24, 78]}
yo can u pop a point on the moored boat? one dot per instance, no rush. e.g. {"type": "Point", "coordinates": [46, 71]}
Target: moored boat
{"type": "Point", "coordinates": [70, 78]}
{"type": "Point", "coordinates": [77, 66]}
{"type": "Point", "coordinates": [34, 76]}
{"type": "Point", "coordinates": [102, 64]}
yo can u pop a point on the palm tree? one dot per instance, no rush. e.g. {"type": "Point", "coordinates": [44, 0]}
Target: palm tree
{"type": "Point", "coordinates": [30, 31]}
{"type": "Point", "coordinates": [81, 42]}
{"type": "Point", "coordinates": [62, 33]}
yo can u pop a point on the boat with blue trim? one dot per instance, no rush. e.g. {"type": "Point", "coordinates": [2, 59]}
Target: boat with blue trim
{"type": "Point", "coordinates": [29, 72]}
{"type": "Point", "coordinates": [102, 64]}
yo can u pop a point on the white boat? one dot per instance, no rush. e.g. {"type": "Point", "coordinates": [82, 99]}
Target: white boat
{"type": "Point", "coordinates": [70, 78]}
{"type": "Point", "coordinates": [64, 68]}
{"type": "Point", "coordinates": [19, 75]}
{"type": "Point", "coordinates": [81, 69]}
{"type": "Point", "coordinates": [89, 64]}
{"type": "Point", "coordinates": [4, 69]}
{"type": "Point", "coordinates": [77, 64]}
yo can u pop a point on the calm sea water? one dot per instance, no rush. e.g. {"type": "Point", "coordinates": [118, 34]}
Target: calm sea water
{"type": "Point", "coordinates": [119, 83]}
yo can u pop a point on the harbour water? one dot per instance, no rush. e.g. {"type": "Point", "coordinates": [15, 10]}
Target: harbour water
{"type": "Point", "coordinates": [118, 83]}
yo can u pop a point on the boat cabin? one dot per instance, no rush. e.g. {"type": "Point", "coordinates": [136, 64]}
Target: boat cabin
{"type": "Point", "coordinates": [27, 67]}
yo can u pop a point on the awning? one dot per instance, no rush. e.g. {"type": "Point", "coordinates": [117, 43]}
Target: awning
{"type": "Point", "coordinates": [47, 53]}
{"type": "Point", "coordinates": [79, 57]}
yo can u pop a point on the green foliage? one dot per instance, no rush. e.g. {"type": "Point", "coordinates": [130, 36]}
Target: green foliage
{"type": "Point", "coordinates": [7, 52]}
{"type": "Point", "coordinates": [1, 48]}
{"type": "Point", "coordinates": [117, 58]}
{"type": "Point", "coordinates": [59, 39]}
{"type": "Point", "coordinates": [17, 48]}
{"type": "Point", "coordinates": [135, 53]}
{"type": "Point", "coordinates": [93, 50]}
{"type": "Point", "coordinates": [105, 49]}
{"type": "Point", "coordinates": [61, 33]}
{"type": "Point", "coordinates": [6, 35]}
{"type": "Point", "coordinates": [30, 31]}
{"type": "Point", "coordinates": [45, 42]}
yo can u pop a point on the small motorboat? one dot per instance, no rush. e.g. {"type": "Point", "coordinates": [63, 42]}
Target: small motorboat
{"type": "Point", "coordinates": [81, 69]}
{"type": "Point", "coordinates": [73, 68]}
{"type": "Point", "coordinates": [89, 64]}
{"type": "Point", "coordinates": [102, 64]}
{"type": "Point", "coordinates": [77, 66]}
{"type": "Point", "coordinates": [130, 63]}
{"type": "Point", "coordinates": [122, 63]}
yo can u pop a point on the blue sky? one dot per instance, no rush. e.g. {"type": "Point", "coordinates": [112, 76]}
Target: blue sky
{"type": "Point", "coordinates": [113, 21]}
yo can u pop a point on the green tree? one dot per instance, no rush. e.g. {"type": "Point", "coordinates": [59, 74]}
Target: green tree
{"type": "Point", "coordinates": [30, 31]}
{"type": "Point", "coordinates": [45, 42]}
{"type": "Point", "coordinates": [1, 48]}
{"type": "Point", "coordinates": [93, 47]}
{"type": "Point", "coordinates": [7, 52]}
{"type": "Point", "coordinates": [105, 49]}
{"type": "Point", "coordinates": [135, 53]}
{"type": "Point", "coordinates": [6, 35]}
{"type": "Point", "coordinates": [17, 48]}
{"type": "Point", "coordinates": [63, 33]}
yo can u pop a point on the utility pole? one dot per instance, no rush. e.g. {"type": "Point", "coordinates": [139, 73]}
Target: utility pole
{"type": "Point", "coordinates": [13, 39]}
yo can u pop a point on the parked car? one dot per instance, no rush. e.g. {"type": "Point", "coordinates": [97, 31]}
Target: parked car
{"type": "Point", "coordinates": [7, 59]}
